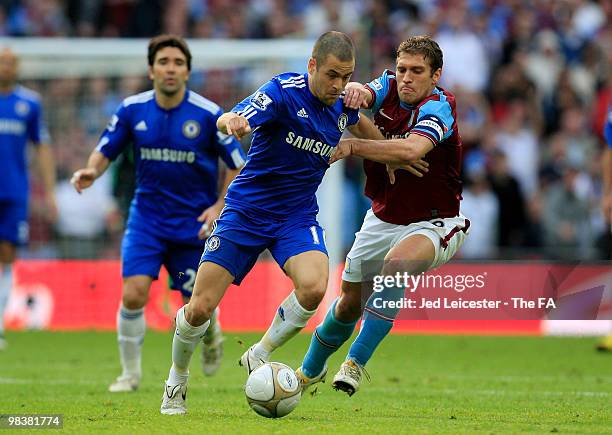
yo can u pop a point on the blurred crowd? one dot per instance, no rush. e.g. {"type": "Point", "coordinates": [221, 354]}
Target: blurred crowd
{"type": "Point", "coordinates": [532, 80]}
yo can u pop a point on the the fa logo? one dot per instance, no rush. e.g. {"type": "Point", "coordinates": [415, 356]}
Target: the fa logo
{"type": "Point", "coordinates": [342, 121]}
{"type": "Point", "coordinates": [22, 108]}
{"type": "Point", "coordinates": [191, 129]}
{"type": "Point", "coordinates": [213, 243]}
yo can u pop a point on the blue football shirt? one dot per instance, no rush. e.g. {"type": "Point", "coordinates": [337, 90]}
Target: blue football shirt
{"type": "Point", "coordinates": [20, 121]}
{"type": "Point", "coordinates": [176, 155]}
{"type": "Point", "coordinates": [294, 134]}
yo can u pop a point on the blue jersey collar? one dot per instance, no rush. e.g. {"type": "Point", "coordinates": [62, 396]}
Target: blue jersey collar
{"type": "Point", "coordinates": [185, 97]}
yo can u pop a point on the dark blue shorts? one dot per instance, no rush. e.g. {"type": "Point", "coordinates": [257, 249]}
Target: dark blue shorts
{"type": "Point", "coordinates": [239, 237]}
{"type": "Point", "coordinates": [143, 253]}
{"type": "Point", "coordinates": [14, 221]}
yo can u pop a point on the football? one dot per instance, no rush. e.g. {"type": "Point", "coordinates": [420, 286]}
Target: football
{"type": "Point", "coordinates": [273, 390]}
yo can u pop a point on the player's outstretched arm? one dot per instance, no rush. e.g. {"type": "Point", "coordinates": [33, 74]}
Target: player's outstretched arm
{"type": "Point", "coordinates": [85, 177]}
{"type": "Point", "coordinates": [393, 151]}
{"type": "Point", "coordinates": [233, 124]}
{"type": "Point", "coordinates": [46, 166]}
{"type": "Point", "coordinates": [357, 96]}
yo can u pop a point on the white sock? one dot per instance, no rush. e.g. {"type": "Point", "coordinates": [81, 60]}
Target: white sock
{"type": "Point", "coordinates": [6, 283]}
{"type": "Point", "coordinates": [290, 318]}
{"type": "Point", "coordinates": [186, 338]}
{"type": "Point", "coordinates": [131, 329]}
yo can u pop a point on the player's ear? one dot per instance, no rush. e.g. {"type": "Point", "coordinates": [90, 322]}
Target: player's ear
{"type": "Point", "coordinates": [435, 78]}
{"type": "Point", "coordinates": [312, 65]}
{"type": "Point", "coordinates": [150, 73]}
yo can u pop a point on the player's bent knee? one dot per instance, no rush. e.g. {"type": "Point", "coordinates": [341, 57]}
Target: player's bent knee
{"type": "Point", "coordinates": [134, 296]}
{"type": "Point", "coordinates": [197, 314]}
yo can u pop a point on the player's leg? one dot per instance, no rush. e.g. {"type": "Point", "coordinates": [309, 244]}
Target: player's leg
{"type": "Point", "coordinates": [7, 257]}
{"type": "Point", "coordinates": [131, 328]}
{"type": "Point", "coordinates": [181, 262]}
{"type": "Point", "coordinates": [141, 258]}
{"type": "Point", "coordinates": [223, 262]}
{"type": "Point", "coordinates": [429, 246]}
{"type": "Point", "coordinates": [13, 232]}
{"type": "Point", "coordinates": [309, 272]}
{"type": "Point", "coordinates": [413, 255]}
{"type": "Point", "coordinates": [364, 259]}
{"type": "Point", "coordinates": [336, 328]}
{"type": "Point", "coordinates": [192, 320]}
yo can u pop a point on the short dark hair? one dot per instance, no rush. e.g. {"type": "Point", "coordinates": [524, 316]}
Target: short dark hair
{"type": "Point", "coordinates": [423, 44]}
{"type": "Point", "coordinates": [336, 43]}
{"type": "Point", "coordinates": [163, 41]}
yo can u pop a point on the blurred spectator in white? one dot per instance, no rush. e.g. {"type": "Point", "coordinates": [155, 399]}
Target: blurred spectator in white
{"type": "Point", "coordinates": [545, 63]}
{"type": "Point", "coordinates": [481, 207]}
{"type": "Point", "coordinates": [588, 18]}
{"type": "Point", "coordinates": [84, 220]}
{"type": "Point", "coordinates": [321, 16]}
{"type": "Point", "coordinates": [519, 142]}
{"type": "Point", "coordinates": [465, 60]}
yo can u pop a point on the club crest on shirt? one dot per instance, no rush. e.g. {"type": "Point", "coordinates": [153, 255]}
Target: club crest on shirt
{"type": "Point", "coordinates": [260, 100]}
{"type": "Point", "coordinates": [342, 121]}
{"type": "Point", "coordinates": [213, 243]}
{"type": "Point", "coordinates": [191, 129]}
{"type": "Point", "coordinates": [22, 108]}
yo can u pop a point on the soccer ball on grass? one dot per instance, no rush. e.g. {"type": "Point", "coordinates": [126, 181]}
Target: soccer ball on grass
{"type": "Point", "coordinates": [273, 390]}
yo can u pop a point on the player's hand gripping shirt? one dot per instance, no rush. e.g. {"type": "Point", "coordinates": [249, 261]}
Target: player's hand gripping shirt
{"type": "Point", "coordinates": [176, 154]}
{"type": "Point", "coordinates": [413, 199]}
{"type": "Point", "coordinates": [20, 121]}
{"type": "Point", "coordinates": [294, 134]}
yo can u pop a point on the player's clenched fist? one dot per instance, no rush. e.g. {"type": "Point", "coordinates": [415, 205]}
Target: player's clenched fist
{"type": "Point", "coordinates": [238, 126]}
{"type": "Point", "coordinates": [83, 178]}
{"type": "Point", "coordinates": [356, 96]}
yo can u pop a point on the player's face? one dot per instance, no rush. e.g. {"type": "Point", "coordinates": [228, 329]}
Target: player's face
{"type": "Point", "coordinates": [8, 67]}
{"type": "Point", "coordinates": [415, 80]}
{"type": "Point", "coordinates": [327, 81]}
{"type": "Point", "coordinates": [169, 71]}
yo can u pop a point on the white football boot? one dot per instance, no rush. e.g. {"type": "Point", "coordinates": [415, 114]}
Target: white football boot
{"type": "Point", "coordinates": [125, 384]}
{"type": "Point", "coordinates": [249, 361]}
{"type": "Point", "coordinates": [349, 376]}
{"type": "Point", "coordinates": [173, 399]}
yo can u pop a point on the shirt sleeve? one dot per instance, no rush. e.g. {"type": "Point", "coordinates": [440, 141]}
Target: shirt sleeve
{"type": "Point", "coordinates": [36, 127]}
{"type": "Point", "coordinates": [117, 134]}
{"type": "Point", "coordinates": [608, 128]}
{"type": "Point", "coordinates": [262, 106]}
{"type": "Point", "coordinates": [353, 116]}
{"type": "Point", "coordinates": [435, 121]}
{"type": "Point", "coordinates": [228, 147]}
{"type": "Point", "coordinates": [379, 88]}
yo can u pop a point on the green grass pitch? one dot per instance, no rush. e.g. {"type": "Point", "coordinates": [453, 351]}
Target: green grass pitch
{"type": "Point", "coordinates": [420, 384]}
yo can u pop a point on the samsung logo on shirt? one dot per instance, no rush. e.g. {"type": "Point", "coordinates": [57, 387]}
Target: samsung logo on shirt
{"type": "Point", "coordinates": [167, 155]}
{"type": "Point", "coordinates": [308, 144]}
{"type": "Point", "coordinates": [11, 126]}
